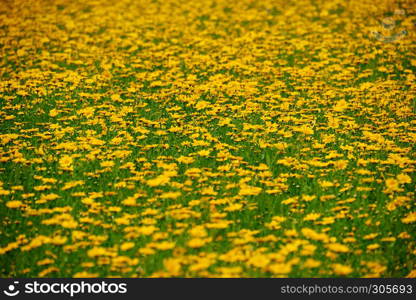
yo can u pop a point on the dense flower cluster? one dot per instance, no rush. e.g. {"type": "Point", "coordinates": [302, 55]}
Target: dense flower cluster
{"type": "Point", "coordinates": [207, 138]}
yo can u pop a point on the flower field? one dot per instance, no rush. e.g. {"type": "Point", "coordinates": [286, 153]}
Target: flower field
{"type": "Point", "coordinates": [207, 138]}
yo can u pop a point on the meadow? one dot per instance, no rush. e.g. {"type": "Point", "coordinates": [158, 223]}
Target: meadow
{"type": "Point", "coordinates": [207, 138]}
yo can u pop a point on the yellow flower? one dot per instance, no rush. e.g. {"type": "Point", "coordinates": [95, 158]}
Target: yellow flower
{"type": "Point", "coordinates": [46, 261]}
{"type": "Point", "coordinates": [165, 245]}
{"type": "Point", "coordinates": [312, 217]}
{"type": "Point", "coordinates": [87, 112]}
{"type": "Point", "coordinates": [65, 163]}
{"type": "Point", "coordinates": [65, 220]}
{"type": "Point", "coordinates": [116, 97]}
{"type": "Point", "coordinates": [305, 129]}
{"type": "Point", "coordinates": [14, 204]}
{"type": "Point", "coordinates": [201, 264]}
{"type": "Point", "coordinates": [280, 268]}
{"type": "Point", "coordinates": [53, 112]}
{"type": "Point", "coordinates": [249, 190]}
{"type": "Point", "coordinates": [147, 230]}
{"type": "Point", "coordinates": [201, 104]}
{"type": "Point", "coordinates": [107, 164]}
{"type": "Point", "coordinates": [233, 207]}
{"type": "Point", "coordinates": [170, 195]}
{"type": "Point", "coordinates": [160, 180]}
{"type": "Point", "coordinates": [308, 198]}
{"type": "Point", "coordinates": [311, 263]}
{"type": "Point", "coordinates": [308, 249]}
{"type": "Point", "coordinates": [258, 260]}
{"type": "Point", "coordinates": [410, 218]}
{"type": "Point", "coordinates": [287, 232]}
{"type": "Point", "coordinates": [340, 106]}
{"type": "Point", "coordinates": [370, 236]}
{"type": "Point", "coordinates": [392, 185]}
{"type": "Point", "coordinates": [373, 246]}
{"type": "Point", "coordinates": [129, 201]}
{"type": "Point", "coordinates": [78, 235]}
{"type": "Point", "coordinates": [147, 251]}
{"type": "Point", "coordinates": [340, 164]}
{"type": "Point", "coordinates": [47, 271]}
{"type": "Point", "coordinates": [71, 184]}
{"type": "Point", "coordinates": [173, 266]}
{"type": "Point", "coordinates": [204, 153]}
{"type": "Point", "coordinates": [336, 247]}
{"type": "Point", "coordinates": [208, 191]}
{"type": "Point", "coordinates": [49, 197]}
{"type": "Point", "coordinates": [100, 251]}
{"type": "Point", "coordinates": [186, 159]}
{"type": "Point", "coordinates": [313, 235]}
{"type": "Point", "coordinates": [229, 271]}
{"type": "Point", "coordinates": [197, 242]}
{"type": "Point", "coordinates": [404, 178]}
{"type": "Point", "coordinates": [198, 231]}
{"type": "Point", "coordinates": [412, 274]}
{"type": "Point", "coordinates": [85, 274]}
